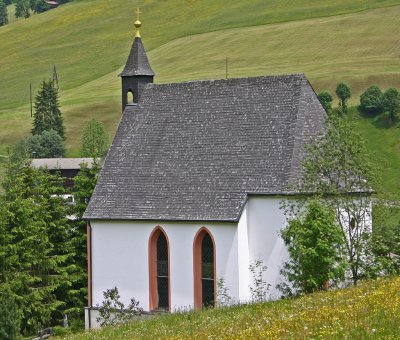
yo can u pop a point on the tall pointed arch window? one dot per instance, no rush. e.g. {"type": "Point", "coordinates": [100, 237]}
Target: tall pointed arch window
{"type": "Point", "coordinates": [159, 281]}
{"type": "Point", "coordinates": [204, 269]}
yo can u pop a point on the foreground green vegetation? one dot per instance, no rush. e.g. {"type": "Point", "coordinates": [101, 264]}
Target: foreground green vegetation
{"type": "Point", "coordinates": [89, 42]}
{"type": "Point", "coordinates": [368, 311]}
{"type": "Point", "coordinates": [43, 262]}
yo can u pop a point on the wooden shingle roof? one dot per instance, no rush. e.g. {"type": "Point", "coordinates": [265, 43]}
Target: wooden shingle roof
{"type": "Point", "coordinates": [196, 150]}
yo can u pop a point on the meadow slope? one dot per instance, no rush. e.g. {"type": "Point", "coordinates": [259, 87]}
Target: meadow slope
{"type": "Point", "coordinates": [357, 42]}
{"type": "Point", "coordinates": [369, 311]}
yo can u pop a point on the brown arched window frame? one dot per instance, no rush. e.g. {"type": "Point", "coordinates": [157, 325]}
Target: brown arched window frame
{"type": "Point", "coordinates": [198, 268]}
{"type": "Point", "coordinates": [157, 271]}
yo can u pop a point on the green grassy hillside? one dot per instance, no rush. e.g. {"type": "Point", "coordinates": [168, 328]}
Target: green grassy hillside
{"type": "Point", "coordinates": [88, 40]}
{"type": "Point", "coordinates": [369, 311]}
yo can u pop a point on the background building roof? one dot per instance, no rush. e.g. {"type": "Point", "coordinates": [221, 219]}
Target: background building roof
{"type": "Point", "coordinates": [61, 163]}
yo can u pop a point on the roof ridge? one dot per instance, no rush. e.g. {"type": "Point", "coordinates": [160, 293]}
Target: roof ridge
{"type": "Point", "coordinates": [298, 148]}
{"type": "Point", "coordinates": [221, 80]}
{"type": "Point", "coordinates": [295, 128]}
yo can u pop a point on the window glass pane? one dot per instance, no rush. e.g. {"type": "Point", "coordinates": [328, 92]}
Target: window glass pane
{"type": "Point", "coordinates": [162, 283]}
{"type": "Point", "coordinates": [207, 271]}
{"type": "Point", "coordinates": [162, 248]}
{"type": "Point", "coordinates": [162, 272]}
{"type": "Point", "coordinates": [208, 292]}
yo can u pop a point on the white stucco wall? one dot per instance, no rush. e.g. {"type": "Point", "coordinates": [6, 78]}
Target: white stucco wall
{"type": "Point", "coordinates": [265, 220]}
{"type": "Point", "coordinates": [120, 258]}
{"type": "Point", "coordinates": [120, 254]}
{"type": "Point", "coordinates": [243, 256]}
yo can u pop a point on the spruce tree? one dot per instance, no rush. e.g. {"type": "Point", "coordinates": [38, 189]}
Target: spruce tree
{"type": "Point", "coordinates": [84, 184]}
{"type": "Point", "coordinates": [36, 245]}
{"type": "Point", "coordinates": [9, 314]}
{"type": "Point", "coordinates": [47, 115]}
{"type": "Point", "coordinates": [3, 13]}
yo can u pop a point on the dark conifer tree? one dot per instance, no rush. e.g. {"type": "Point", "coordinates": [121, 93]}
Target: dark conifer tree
{"type": "Point", "coordinates": [47, 115]}
{"type": "Point", "coordinates": [3, 13]}
{"type": "Point", "coordinates": [84, 184]}
{"type": "Point", "coordinates": [36, 246]}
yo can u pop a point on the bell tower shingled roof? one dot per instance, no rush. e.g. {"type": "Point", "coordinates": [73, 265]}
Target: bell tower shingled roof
{"type": "Point", "coordinates": [137, 63]}
{"type": "Point", "coordinates": [137, 72]}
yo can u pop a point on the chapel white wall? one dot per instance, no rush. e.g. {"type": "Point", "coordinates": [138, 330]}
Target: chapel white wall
{"type": "Point", "coordinates": [120, 258]}
{"type": "Point", "coordinates": [265, 221]}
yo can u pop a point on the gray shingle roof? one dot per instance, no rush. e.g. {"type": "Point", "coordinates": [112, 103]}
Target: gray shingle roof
{"type": "Point", "coordinates": [195, 150]}
{"type": "Point", "coordinates": [137, 63]}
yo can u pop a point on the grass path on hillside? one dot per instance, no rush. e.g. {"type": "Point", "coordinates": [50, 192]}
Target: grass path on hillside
{"type": "Point", "coordinates": [369, 311]}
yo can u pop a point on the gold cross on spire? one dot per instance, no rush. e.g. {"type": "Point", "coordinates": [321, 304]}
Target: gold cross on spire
{"type": "Point", "coordinates": [138, 12]}
{"type": "Point", "coordinates": [138, 23]}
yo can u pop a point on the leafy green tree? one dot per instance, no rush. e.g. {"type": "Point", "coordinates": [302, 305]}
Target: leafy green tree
{"type": "Point", "coordinates": [315, 244]}
{"type": "Point", "coordinates": [37, 245]}
{"type": "Point", "coordinates": [3, 13]}
{"type": "Point", "coordinates": [344, 93]}
{"type": "Point", "coordinates": [49, 144]}
{"type": "Point", "coordinates": [21, 150]}
{"type": "Point", "coordinates": [391, 102]}
{"type": "Point", "coordinates": [337, 169]}
{"type": "Point", "coordinates": [386, 247]}
{"type": "Point", "coordinates": [326, 99]}
{"type": "Point", "coordinates": [94, 140]}
{"type": "Point", "coordinates": [46, 145]}
{"type": "Point", "coordinates": [22, 8]}
{"type": "Point", "coordinates": [371, 101]}
{"type": "Point", "coordinates": [47, 115]}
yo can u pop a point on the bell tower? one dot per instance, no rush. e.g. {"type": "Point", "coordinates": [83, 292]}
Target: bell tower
{"type": "Point", "coordinates": [137, 71]}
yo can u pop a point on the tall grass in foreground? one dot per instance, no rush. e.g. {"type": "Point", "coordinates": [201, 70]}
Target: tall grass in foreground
{"type": "Point", "coordinates": [368, 311]}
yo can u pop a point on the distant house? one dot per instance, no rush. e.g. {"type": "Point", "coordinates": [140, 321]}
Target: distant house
{"type": "Point", "coordinates": [67, 167]}
{"type": "Point", "coordinates": [52, 4]}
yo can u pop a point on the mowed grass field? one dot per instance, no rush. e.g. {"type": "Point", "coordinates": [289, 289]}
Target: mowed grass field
{"type": "Point", "coordinates": [357, 42]}
{"type": "Point", "coordinates": [369, 311]}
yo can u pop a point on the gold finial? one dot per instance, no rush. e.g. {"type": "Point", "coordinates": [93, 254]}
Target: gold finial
{"type": "Point", "coordinates": [138, 23]}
